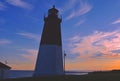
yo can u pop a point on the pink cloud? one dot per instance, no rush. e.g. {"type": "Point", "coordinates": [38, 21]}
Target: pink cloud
{"type": "Point", "coordinates": [102, 42]}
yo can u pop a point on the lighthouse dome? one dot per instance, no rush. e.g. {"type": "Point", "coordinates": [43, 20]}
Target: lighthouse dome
{"type": "Point", "coordinates": [53, 10]}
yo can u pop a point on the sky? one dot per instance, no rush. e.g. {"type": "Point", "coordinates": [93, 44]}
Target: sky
{"type": "Point", "coordinates": [90, 32]}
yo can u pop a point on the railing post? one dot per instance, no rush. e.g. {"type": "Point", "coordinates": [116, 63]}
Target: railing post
{"type": "Point", "coordinates": [64, 61]}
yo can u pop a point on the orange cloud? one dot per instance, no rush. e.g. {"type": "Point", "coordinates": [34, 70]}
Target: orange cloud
{"type": "Point", "coordinates": [23, 66]}
{"type": "Point", "coordinates": [29, 60]}
{"type": "Point", "coordinates": [98, 51]}
{"type": "Point", "coordinates": [31, 54]}
{"type": "Point", "coordinates": [93, 65]}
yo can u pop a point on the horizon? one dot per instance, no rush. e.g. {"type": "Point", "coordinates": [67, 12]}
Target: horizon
{"type": "Point", "coordinates": [77, 71]}
{"type": "Point", "coordinates": [90, 32]}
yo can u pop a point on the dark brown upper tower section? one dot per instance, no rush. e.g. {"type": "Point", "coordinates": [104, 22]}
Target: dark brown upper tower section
{"type": "Point", "coordinates": [51, 34]}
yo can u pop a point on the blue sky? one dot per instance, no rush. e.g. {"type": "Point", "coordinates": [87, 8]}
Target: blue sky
{"type": "Point", "coordinates": [90, 32]}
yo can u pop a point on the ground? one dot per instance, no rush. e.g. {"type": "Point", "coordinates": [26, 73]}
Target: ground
{"type": "Point", "coordinates": [95, 76]}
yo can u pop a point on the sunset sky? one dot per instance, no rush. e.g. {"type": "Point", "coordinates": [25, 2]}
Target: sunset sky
{"type": "Point", "coordinates": [90, 32]}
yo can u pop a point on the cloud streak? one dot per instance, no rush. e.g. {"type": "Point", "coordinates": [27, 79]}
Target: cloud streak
{"type": "Point", "coordinates": [30, 54]}
{"type": "Point", "coordinates": [4, 41]}
{"type": "Point", "coordinates": [30, 35]}
{"type": "Point", "coordinates": [2, 6]}
{"type": "Point", "coordinates": [83, 8]}
{"type": "Point", "coordinates": [71, 3]}
{"type": "Point", "coordinates": [97, 45]}
{"type": "Point", "coordinates": [116, 22]}
{"type": "Point", "coordinates": [80, 22]}
{"type": "Point", "coordinates": [20, 3]}
{"type": "Point", "coordinates": [28, 59]}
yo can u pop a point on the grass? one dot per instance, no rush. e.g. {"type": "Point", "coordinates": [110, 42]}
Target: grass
{"type": "Point", "coordinates": [97, 76]}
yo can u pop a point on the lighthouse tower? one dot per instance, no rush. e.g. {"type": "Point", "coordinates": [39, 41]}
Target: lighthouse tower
{"type": "Point", "coordinates": [49, 60]}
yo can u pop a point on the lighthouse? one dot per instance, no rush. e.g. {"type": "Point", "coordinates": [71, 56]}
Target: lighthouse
{"type": "Point", "coordinates": [49, 61]}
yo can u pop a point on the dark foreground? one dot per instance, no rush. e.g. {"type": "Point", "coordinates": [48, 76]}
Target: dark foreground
{"type": "Point", "coordinates": [96, 76]}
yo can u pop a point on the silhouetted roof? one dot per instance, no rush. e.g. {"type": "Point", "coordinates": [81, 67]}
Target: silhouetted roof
{"type": "Point", "coordinates": [4, 66]}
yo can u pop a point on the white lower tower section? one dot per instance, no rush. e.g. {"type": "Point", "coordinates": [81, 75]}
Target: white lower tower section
{"type": "Point", "coordinates": [49, 61]}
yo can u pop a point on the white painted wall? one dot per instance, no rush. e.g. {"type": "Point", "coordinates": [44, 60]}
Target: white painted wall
{"type": "Point", "coordinates": [4, 73]}
{"type": "Point", "coordinates": [49, 61]}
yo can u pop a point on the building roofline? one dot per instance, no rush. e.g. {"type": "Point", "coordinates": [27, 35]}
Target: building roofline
{"type": "Point", "coordinates": [2, 65]}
